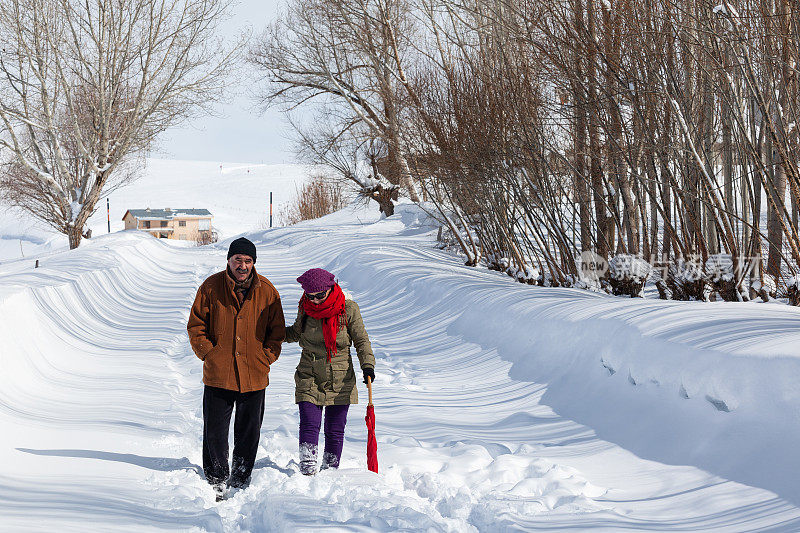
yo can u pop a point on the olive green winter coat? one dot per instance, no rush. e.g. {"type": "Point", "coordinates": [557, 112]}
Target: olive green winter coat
{"type": "Point", "coordinates": [318, 381]}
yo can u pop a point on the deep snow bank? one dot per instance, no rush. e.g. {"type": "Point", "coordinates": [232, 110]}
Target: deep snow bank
{"type": "Point", "coordinates": [714, 385]}
{"type": "Point", "coordinates": [500, 406]}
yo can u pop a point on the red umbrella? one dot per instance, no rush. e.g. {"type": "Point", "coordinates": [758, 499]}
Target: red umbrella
{"type": "Point", "coordinates": [372, 443]}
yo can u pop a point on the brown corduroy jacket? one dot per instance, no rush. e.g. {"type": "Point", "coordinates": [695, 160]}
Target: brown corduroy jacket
{"type": "Point", "coordinates": [237, 343]}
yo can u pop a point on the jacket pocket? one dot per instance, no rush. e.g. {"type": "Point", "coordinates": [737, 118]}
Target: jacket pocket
{"type": "Point", "coordinates": [204, 356]}
{"type": "Point", "coordinates": [267, 357]}
{"type": "Point", "coordinates": [212, 363]}
{"type": "Point", "coordinates": [304, 379]}
{"type": "Point", "coordinates": [344, 378]}
{"type": "Point", "coordinates": [261, 359]}
{"type": "Point", "coordinates": [211, 352]}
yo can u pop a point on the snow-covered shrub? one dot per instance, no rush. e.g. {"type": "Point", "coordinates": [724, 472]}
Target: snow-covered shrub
{"type": "Point", "coordinates": [545, 279]}
{"type": "Point", "coordinates": [720, 276]}
{"type": "Point", "coordinates": [771, 286]}
{"type": "Point", "coordinates": [658, 276]}
{"type": "Point", "coordinates": [588, 284]}
{"type": "Point", "coordinates": [719, 268]}
{"type": "Point", "coordinates": [591, 266]}
{"type": "Point", "coordinates": [528, 274]}
{"type": "Point", "coordinates": [664, 292]}
{"type": "Point", "coordinates": [766, 288]}
{"type": "Point", "coordinates": [628, 274]}
{"type": "Point", "coordinates": [686, 280]}
{"type": "Point", "coordinates": [792, 290]}
{"type": "Point", "coordinates": [446, 239]}
{"type": "Point", "coordinates": [497, 262]}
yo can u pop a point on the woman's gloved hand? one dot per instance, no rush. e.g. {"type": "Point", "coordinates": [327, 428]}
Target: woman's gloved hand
{"type": "Point", "coordinates": [369, 373]}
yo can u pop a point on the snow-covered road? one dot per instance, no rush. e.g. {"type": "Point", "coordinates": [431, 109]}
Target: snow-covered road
{"type": "Point", "coordinates": [500, 406]}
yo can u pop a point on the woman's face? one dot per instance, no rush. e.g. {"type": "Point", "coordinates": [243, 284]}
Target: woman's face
{"type": "Point", "coordinates": [318, 297]}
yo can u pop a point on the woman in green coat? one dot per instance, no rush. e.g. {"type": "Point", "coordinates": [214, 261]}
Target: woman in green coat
{"type": "Point", "coordinates": [327, 324]}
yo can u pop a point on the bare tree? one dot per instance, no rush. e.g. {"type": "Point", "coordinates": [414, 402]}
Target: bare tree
{"type": "Point", "coordinates": [639, 131]}
{"type": "Point", "coordinates": [86, 86]}
{"type": "Point", "coordinates": [349, 53]}
{"type": "Point", "coordinates": [352, 152]}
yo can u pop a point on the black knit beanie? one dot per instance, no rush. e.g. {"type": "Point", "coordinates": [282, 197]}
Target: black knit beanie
{"type": "Point", "coordinates": [242, 246]}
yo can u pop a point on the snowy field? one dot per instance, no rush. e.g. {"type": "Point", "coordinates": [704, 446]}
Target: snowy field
{"type": "Point", "coordinates": [237, 194]}
{"type": "Point", "coordinates": [500, 406]}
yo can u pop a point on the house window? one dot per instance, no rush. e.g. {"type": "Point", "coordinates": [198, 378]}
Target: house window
{"type": "Point", "coordinates": [163, 223]}
{"type": "Point", "coordinates": [205, 224]}
{"type": "Point", "coordinates": [182, 223]}
{"type": "Point", "coordinates": [146, 223]}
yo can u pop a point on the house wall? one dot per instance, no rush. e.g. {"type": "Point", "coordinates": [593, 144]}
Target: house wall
{"type": "Point", "coordinates": [190, 232]}
{"type": "Point", "coordinates": [130, 221]}
{"type": "Point", "coordinates": [187, 233]}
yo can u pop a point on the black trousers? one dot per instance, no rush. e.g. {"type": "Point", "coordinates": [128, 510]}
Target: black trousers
{"type": "Point", "coordinates": [218, 405]}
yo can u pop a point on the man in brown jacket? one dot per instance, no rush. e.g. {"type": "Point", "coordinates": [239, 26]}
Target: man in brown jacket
{"type": "Point", "coordinates": [236, 327]}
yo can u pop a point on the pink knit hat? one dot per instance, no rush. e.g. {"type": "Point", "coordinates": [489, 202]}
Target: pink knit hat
{"type": "Point", "coordinates": [316, 280]}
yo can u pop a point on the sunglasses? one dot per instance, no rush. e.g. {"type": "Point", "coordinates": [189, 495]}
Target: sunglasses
{"type": "Point", "coordinates": [317, 295]}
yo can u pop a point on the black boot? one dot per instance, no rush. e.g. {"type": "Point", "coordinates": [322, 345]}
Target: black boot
{"type": "Point", "coordinates": [240, 477]}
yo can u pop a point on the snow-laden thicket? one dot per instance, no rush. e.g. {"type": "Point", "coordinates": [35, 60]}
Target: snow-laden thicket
{"type": "Point", "coordinates": [579, 126]}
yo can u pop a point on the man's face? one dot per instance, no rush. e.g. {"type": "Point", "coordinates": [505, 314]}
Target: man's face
{"type": "Point", "coordinates": [241, 265]}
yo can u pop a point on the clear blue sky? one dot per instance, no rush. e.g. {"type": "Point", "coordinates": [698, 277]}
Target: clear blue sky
{"type": "Point", "coordinates": [239, 133]}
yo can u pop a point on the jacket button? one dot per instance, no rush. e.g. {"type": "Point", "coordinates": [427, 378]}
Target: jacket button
{"type": "Point", "coordinates": [238, 339]}
{"type": "Point", "coordinates": [237, 353]}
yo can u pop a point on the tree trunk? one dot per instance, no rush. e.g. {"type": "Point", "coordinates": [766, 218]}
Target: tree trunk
{"type": "Point", "coordinates": [707, 98]}
{"type": "Point", "coordinates": [777, 175]}
{"type": "Point", "coordinates": [75, 235]}
{"type": "Point", "coordinates": [727, 156]}
{"type": "Point", "coordinates": [397, 161]}
{"type": "Point", "coordinates": [595, 157]}
{"type": "Point", "coordinates": [579, 144]}
{"type": "Point", "coordinates": [629, 218]}
{"type": "Point", "coordinates": [755, 235]}
{"type": "Point", "coordinates": [774, 227]}
{"type": "Point", "coordinates": [406, 180]}
{"type": "Point", "coordinates": [664, 141]}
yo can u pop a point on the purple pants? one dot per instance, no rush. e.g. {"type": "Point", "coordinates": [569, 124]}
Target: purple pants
{"type": "Point", "coordinates": [335, 420]}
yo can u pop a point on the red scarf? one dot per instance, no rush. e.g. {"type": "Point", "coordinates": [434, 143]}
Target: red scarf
{"type": "Point", "coordinates": [329, 311]}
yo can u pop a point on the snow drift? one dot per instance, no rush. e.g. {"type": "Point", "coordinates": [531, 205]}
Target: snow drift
{"type": "Point", "coordinates": [500, 406]}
